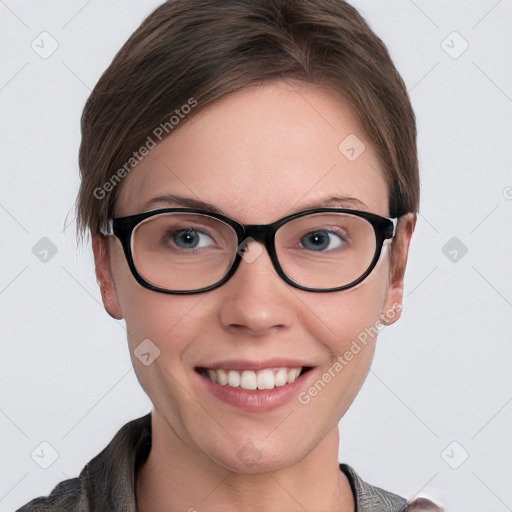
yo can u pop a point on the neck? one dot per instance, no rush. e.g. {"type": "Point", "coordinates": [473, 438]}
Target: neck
{"type": "Point", "coordinates": [176, 478]}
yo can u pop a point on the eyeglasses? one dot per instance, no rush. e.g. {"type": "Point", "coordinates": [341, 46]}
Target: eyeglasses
{"type": "Point", "coordinates": [185, 250]}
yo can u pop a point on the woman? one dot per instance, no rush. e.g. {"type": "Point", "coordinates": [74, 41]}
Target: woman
{"type": "Point", "coordinates": [250, 182]}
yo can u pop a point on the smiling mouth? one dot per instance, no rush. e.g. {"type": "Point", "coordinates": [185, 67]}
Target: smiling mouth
{"type": "Point", "coordinates": [268, 378]}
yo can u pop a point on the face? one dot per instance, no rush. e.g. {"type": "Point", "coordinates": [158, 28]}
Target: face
{"type": "Point", "coordinates": [258, 155]}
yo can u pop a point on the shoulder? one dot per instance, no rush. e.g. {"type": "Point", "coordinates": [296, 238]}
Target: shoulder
{"type": "Point", "coordinates": [369, 498]}
{"type": "Point", "coordinates": [107, 480]}
{"type": "Point", "coordinates": [67, 496]}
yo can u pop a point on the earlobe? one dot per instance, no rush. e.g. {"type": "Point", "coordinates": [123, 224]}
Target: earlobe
{"type": "Point", "coordinates": [398, 263]}
{"type": "Point", "coordinates": [101, 250]}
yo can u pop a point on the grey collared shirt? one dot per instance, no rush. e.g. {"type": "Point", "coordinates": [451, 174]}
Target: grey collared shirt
{"type": "Point", "coordinates": [107, 482]}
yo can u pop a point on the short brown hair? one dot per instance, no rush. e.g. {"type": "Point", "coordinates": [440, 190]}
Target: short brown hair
{"type": "Point", "coordinates": [205, 49]}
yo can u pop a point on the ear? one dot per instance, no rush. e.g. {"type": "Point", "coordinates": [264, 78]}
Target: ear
{"type": "Point", "coordinates": [398, 262]}
{"type": "Point", "coordinates": [102, 264]}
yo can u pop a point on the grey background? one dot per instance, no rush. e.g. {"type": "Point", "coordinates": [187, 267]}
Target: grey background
{"type": "Point", "coordinates": [441, 385]}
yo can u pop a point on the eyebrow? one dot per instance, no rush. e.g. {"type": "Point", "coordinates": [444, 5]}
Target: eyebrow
{"type": "Point", "coordinates": [189, 202]}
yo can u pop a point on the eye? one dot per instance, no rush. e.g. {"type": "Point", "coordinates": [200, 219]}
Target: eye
{"type": "Point", "coordinates": [322, 240]}
{"type": "Point", "coordinates": [190, 238]}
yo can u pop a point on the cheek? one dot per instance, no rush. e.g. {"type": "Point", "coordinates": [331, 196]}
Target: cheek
{"type": "Point", "coordinates": [156, 323]}
{"type": "Point", "coordinates": [342, 317]}
{"type": "Point", "coordinates": [170, 321]}
{"type": "Point", "coordinates": [347, 324]}
{"type": "Point", "coordinates": [148, 314]}
{"type": "Point", "coordinates": [165, 327]}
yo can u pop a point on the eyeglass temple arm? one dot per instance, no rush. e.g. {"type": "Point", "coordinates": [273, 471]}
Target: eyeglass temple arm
{"type": "Point", "coordinates": [395, 222]}
{"type": "Point", "coordinates": [108, 228]}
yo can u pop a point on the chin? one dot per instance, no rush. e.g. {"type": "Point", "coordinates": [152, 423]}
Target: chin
{"type": "Point", "coordinates": [256, 465]}
{"type": "Point", "coordinates": [257, 456]}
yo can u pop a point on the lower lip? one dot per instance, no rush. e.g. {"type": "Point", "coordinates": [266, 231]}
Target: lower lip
{"type": "Point", "coordinates": [256, 400]}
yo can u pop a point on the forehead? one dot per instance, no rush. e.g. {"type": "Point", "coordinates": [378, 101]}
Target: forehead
{"type": "Point", "coordinates": [260, 153]}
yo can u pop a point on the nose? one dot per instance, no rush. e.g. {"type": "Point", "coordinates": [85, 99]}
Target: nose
{"type": "Point", "coordinates": [256, 300]}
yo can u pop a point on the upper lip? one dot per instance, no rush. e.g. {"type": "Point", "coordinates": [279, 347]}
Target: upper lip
{"type": "Point", "coordinates": [244, 364]}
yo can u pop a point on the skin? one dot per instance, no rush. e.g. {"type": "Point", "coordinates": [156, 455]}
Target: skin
{"type": "Point", "coordinates": [258, 154]}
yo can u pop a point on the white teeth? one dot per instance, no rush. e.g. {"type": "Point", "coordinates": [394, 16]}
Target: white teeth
{"type": "Point", "coordinates": [213, 375]}
{"type": "Point", "coordinates": [249, 379]}
{"type": "Point", "coordinates": [233, 378]}
{"type": "Point", "coordinates": [281, 377]}
{"type": "Point", "coordinates": [292, 375]}
{"type": "Point", "coordinates": [266, 379]}
{"type": "Point", "coordinates": [222, 377]}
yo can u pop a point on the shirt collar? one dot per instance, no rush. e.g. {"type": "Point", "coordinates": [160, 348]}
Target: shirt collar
{"type": "Point", "coordinates": [109, 479]}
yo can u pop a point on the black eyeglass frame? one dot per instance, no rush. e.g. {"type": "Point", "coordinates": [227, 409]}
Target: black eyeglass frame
{"type": "Point", "coordinates": [122, 228]}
